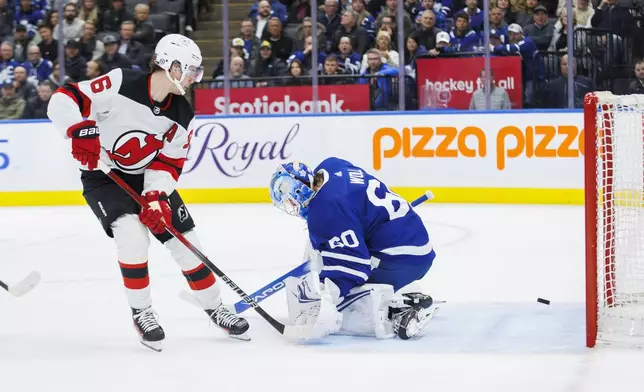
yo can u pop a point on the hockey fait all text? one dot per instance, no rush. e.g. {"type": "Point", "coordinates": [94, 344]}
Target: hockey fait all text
{"type": "Point", "coordinates": [535, 141]}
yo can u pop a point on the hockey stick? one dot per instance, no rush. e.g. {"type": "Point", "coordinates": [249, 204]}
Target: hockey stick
{"type": "Point", "coordinates": [299, 271]}
{"type": "Point", "coordinates": [24, 286]}
{"type": "Point", "coordinates": [300, 332]}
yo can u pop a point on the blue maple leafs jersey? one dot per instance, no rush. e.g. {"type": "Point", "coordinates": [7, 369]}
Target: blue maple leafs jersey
{"type": "Point", "coordinates": [355, 222]}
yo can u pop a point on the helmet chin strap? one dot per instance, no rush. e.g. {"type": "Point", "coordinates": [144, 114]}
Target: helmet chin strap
{"type": "Point", "coordinates": [176, 82]}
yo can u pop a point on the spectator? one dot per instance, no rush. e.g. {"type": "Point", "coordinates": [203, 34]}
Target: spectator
{"type": "Point", "coordinates": [559, 41]}
{"type": "Point", "coordinates": [29, 16]}
{"type": "Point", "coordinates": [383, 46]}
{"type": "Point", "coordinates": [39, 68]}
{"type": "Point", "coordinates": [541, 31]}
{"type": "Point", "coordinates": [440, 14]}
{"type": "Point", "coordinates": [304, 30]}
{"type": "Point", "coordinates": [462, 37]}
{"type": "Point", "coordinates": [531, 62]}
{"type": "Point", "coordinates": [278, 10]}
{"type": "Point", "coordinates": [91, 48]}
{"type": "Point", "coordinates": [71, 25]}
{"type": "Point", "coordinates": [365, 19]}
{"type": "Point", "coordinates": [296, 72]}
{"type": "Point", "coordinates": [237, 77]}
{"type": "Point", "coordinates": [389, 26]}
{"type": "Point", "coordinates": [281, 45]}
{"type": "Point", "coordinates": [348, 60]}
{"type": "Point", "coordinates": [637, 85]}
{"type": "Point", "coordinates": [129, 48]}
{"type": "Point", "coordinates": [526, 16]}
{"type": "Point", "coordinates": [558, 88]}
{"type": "Point", "coordinates": [112, 58]}
{"type": "Point", "coordinates": [267, 65]}
{"type": "Point", "coordinates": [443, 44]}
{"type": "Point", "coordinates": [6, 20]}
{"type": "Point", "coordinates": [52, 18]}
{"type": "Point", "coordinates": [141, 14]}
{"type": "Point", "coordinates": [20, 42]}
{"type": "Point", "coordinates": [614, 17]}
{"type": "Point", "coordinates": [54, 78]}
{"type": "Point", "coordinates": [236, 50]}
{"type": "Point", "coordinates": [24, 87]}
{"type": "Point", "coordinates": [413, 49]}
{"type": "Point", "coordinates": [412, 8]}
{"type": "Point", "coordinates": [331, 22]}
{"type": "Point", "coordinates": [261, 19]}
{"type": "Point", "coordinates": [8, 63]}
{"type": "Point", "coordinates": [380, 84]}
{"type": "Point", "coordinates": [89, 12]}
{"type": "Point", "coordinates": [519, 5]}
{"type": "Point", "coordinates": [499, 98]}
{"type": "Point", "coordinates": [497, 23]}
{"type": "Point", "coordinates": [95, 69]}
{"type": "Point", "coordinates": [584, 12]}
{"type": "Point", "coordinates": [36, 107]}
{"type": "Point", "coordinates": [391, 10]}
{"type": "Point", "coordinates": [331, 69]}
{"type": "Point", "coordinates": [299, 10]}
{"type": "Point", "coordinates": [305, 57]}
{"type": "Point", "coordinates": [349, 28]}
{"type": "Point", "coordinates": [507, 14]}
{"type": "Point", "coordinates": [12, 106]}
{"type": "Point", "coordinates": [427, 30]}
{"type": "Point", "coordinates": [48, 45]}
{"type": "Point", "coordinates": [475, 14]}
{"type": "Point", "coordinates": [75, 64]}
{"type": "Point", "coordinates": [251, 42]}
{"type": "Point", "coordinates": [115, 16]}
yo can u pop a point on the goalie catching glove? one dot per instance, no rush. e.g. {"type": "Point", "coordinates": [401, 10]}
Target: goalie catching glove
{"type": "Point", "coordinates": [157, 213]}
{"type": "Point", "coordinates": [312, 304]}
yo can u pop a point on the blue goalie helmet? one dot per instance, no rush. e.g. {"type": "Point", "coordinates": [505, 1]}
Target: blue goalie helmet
{"type": "Point", "coordinates": [291, 188]}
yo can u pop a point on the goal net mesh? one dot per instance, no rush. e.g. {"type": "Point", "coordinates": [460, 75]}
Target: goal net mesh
{"type": "Point", "coordinates": [619, 171]}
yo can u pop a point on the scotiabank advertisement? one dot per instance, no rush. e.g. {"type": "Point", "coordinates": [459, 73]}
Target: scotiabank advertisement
{"type": "Point", "coordinates": [449, 83]}
{"type": "Point", "coordinates": [274, 100]}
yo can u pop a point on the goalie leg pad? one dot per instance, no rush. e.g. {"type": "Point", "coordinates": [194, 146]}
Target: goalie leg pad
{"type": "Point", "coordinates": [200, 279]}
{"type": "Point", "coordinates": [365, 311]}
{"type": "Point", "coordinates": [132, 243]}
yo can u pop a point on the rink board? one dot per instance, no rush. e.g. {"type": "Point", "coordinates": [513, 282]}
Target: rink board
{"type": "Point", "coordinates": [533, 157]}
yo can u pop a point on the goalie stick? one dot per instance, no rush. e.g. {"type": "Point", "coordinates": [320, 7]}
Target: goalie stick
{"type": "Point", "coordinates": [24, 286]}
{"type": "Point", "coordinates": [278, 284]}
{"type": "Point", "coordinates": [298, 332]}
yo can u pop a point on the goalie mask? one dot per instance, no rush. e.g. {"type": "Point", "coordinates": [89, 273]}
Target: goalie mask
{"type": "Point", "coordinates": [291, 188]}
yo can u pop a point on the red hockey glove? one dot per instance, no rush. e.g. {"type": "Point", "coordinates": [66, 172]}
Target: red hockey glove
{"type": "Point", "coordinates": [86, 146]}
{"type": "Point", "coordinates": [158, 212]}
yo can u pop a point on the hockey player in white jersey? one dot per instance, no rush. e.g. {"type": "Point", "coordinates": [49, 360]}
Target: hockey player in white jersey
{"type": "Point", "coordinates": [141, 126]}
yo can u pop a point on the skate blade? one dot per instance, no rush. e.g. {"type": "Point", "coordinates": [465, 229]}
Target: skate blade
{"type": "Point", "coordinates": [156, 346]}
{"type": "Point", "coordinates": [243, 337]}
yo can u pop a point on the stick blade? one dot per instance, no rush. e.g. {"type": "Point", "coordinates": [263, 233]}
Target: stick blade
{"type": "Point", "coordinates": [26, 285]}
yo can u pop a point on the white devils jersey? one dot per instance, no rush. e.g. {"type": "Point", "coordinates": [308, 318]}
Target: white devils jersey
{"type": "Point", "coordinates": [137, 134]}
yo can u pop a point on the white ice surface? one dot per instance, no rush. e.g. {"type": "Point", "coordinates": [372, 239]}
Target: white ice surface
{"type": "Point", "coordinates": [74, 333]}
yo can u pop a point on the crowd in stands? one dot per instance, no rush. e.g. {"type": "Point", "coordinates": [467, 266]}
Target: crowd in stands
{"type": "Point", "coordinates": [359, 37]}
{"type": "Point", "coordinates": [98, 36]}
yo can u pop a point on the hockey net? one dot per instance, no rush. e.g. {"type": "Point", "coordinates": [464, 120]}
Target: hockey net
{"type": "Point", "coordinates": [614, 182]}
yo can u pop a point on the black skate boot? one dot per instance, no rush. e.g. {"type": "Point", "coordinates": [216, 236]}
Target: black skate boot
{"type": "Point", "coordinates": [411, 320]}
{"type": "Point", "coordinates": [150, 332]}
{"type": "Point", "coordinates": [230, 322]}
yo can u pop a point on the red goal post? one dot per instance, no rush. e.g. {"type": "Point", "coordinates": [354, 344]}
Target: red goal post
{"type": "Point", "coordinates": [614, 212]}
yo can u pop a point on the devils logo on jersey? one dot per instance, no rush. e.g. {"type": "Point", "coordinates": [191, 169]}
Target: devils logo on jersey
{"type": "Point", "coordinates": [134, 150]}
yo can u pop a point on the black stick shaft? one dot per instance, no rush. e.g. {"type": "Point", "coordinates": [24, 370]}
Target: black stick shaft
{"type": "Point", "coordinates": [4, 285]}
{"type": "Point", "coordinates": [143, 203]}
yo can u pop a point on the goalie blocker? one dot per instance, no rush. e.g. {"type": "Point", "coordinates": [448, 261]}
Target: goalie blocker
{"type": "Point", "coordinates": [367, 248]}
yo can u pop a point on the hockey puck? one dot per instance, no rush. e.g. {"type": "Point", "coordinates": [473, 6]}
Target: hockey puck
{"type": "Point", "coordinates": [543, 301]}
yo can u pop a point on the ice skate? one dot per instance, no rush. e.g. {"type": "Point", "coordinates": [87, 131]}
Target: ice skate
{"type": "Point", "coordinates": [235, 326]}
{"type": "Point", "coordinates": [410, 321]}
{"type": "Point", "coordinates": [150, 332]}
